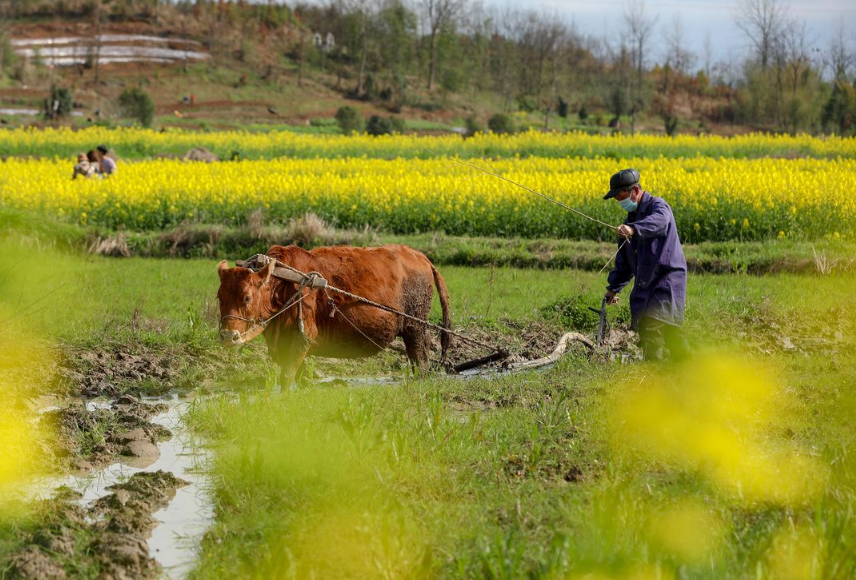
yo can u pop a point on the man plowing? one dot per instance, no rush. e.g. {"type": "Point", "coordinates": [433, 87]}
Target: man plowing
{"type": "Point", "coordinates": [650, 251]}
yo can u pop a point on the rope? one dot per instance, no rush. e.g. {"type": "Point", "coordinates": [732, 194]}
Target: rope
{"type": "Point", "coordinates": [296, 299]}
{"type": "Point", "coordinates": [307, 281]}
{"type": "Point", "coordinates": [415, 319]}
{"type": "Point", "coordinates": [539, 194]}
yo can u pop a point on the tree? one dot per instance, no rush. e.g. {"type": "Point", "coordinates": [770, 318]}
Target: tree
{"type": "Point", "coordinates": [678, 56]}
{"type": "Point", "coordinates": [137, 104]}
{"type": "Point", "coordinates": [349, 120]}
{"type": "Point", "coordinates": [439, 15]}
{"type": "Point", "coordinates": [500, 123]}
{"type": "Point", "coordinates": [838, 59]}
{"type": "Point", "coordinates": [839, 112]}
{"type": "Point", "coordinates": [59, 103]}
{"type": "Point", "coordinates": [762, 21]}
{"type": "Point", "coordinates": [638, 25]}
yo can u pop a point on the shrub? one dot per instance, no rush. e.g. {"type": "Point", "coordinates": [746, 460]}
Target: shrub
{"type": "Point", "coordinates": [59, 103]}
{"type": "Point", "coordinates": [473, 126]}
{"type": "Point", "coordinates": [562, 108]}
{"type": "Point", "coordinates": [398, 124]}
{"type": "Point", "coordinates": [136, 104]}
{"type": "Point", "coordinates": [379, 126]}
{"type": "Point", "coordinates": [349, 120]}
{"type": "Point", "coordinates": [583, 113]}
{"type": "Point", "coordinates": [500, 123]}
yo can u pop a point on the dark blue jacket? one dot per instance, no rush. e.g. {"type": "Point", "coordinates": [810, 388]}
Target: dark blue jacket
{"type": "Point", "coordinates": [655, 258]}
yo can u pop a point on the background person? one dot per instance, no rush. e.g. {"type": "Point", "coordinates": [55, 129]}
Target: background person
{"type": "Point", "coordinates": [653, 255]}
{"type": "Point", "coordinates": [84, 168]}
{"type": "Point", "coordinates": [107, 162]}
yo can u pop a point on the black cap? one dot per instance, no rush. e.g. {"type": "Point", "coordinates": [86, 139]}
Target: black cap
{"type": "Point", "coordinates": [621, 181]}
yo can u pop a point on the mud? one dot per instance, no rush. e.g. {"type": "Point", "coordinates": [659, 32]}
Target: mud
{"type": "Point", "coordinates": [111, 371]}
{"type": "Point", "coordinates": [107, 538]}
{"type": "Point", "coordinates": [93, 434]}
{"type": "Point", "coordinates": [150, 517]}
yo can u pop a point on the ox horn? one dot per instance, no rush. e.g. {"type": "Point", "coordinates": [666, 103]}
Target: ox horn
{"type": "Point", "coordinates": [222, 267]}
{"type": "Point", "coordinates": [267, 271]}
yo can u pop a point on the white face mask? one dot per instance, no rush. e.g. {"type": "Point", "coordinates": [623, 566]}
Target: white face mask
{"type": "Point", "coordinates": [628, 205]}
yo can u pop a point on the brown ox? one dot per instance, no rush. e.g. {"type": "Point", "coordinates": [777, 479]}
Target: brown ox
{"type": "Point", "coordinates": [333, 325]}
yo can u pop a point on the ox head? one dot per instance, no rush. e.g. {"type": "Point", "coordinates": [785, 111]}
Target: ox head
{"type": "Point", "coordinates": [245, 302]}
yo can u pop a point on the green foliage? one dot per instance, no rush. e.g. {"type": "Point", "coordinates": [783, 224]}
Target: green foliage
{"type": "Point", "coordinates": [501, 123]}
{"type": "Point", "coordinates": [562, 108]}
{"type": "Point", "coordinates": [574, 312]}
{"type": "Point", "coordinates": [349, 120]}
{"type": "Point", "coordinates": [398, 124]}
{"type": "Point", "coordinates": [839, 112]}
{"type": "Point", "coordinates": [619, 102]}
{"type": "Point", "coordinates": [59, 103]}
{"type": "Point", "coordinates": [136, 104]}
{"type": "Point", "coordinates": [671, 124]}
{"type": "Point", "coordinates": [378, 125]}
{"type": "Point", "coordinates": [8, 58]}
{"type": "Point", "coordinates": [473, 126]}
{"type": "Point", "coordinates": [583, 113]}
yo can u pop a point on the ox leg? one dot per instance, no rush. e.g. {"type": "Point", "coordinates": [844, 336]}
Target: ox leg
{"type": "Point", "coordinates": [416, 343]}
{"type": "Point", "coordinates": [292, 370]}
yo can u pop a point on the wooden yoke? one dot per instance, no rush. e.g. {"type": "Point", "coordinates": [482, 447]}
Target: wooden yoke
{"type": "Point", "coordinates": [312, 280]}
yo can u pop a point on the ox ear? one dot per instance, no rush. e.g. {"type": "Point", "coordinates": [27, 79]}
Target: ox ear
{"type": "Point", "coordinates": [267, 271]}
{"type": "Point", "coordinates": [222, 267]}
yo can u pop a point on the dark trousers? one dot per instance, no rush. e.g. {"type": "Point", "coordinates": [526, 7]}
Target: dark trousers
{"type": "Point", "coordinates": [660, 340]}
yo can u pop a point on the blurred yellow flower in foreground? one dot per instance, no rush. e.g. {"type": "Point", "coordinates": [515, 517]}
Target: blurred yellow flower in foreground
{"type": "Point", "coordinates": [716, 417]}
{"type": "Point", "coordinates": [686, 530]}
{"type": "Point", "coordinates": [795, 554]}
{"type": "Point", "coordinates": [18, 430]}
{"type": "Point", "coordinates": [635, 573]}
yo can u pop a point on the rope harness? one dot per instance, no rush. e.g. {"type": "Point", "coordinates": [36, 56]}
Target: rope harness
{"type": "Point", "coordinates": [297, 299]}
{"type": "Point", "coordinates": [315, 281]}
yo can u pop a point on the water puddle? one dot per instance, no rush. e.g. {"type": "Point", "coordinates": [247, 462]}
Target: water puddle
{"type": "Point", "coordinates": [174, 542]}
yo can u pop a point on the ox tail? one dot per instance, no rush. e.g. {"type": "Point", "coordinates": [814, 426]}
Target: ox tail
{"type": "Point", "coordinates": [445, 337]}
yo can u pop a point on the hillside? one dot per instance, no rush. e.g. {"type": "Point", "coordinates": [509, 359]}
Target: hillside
{"type": "Point", "coordinates": [255, 88]}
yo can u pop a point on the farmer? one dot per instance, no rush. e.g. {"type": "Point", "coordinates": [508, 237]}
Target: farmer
{"type": "Point", "coordinates": [108, 164]}
{"type": "Point", "coordinates": [651, 252]}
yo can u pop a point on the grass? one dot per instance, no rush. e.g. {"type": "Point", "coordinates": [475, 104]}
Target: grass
{"type": "Point", "coordinates": [218, 241]}
{"type": "Point", "coordinates": [539, 474]}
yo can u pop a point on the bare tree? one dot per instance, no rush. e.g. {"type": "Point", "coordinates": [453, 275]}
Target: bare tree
{"type": "Point", "coordinates": [708, 54]}
{"type": "Point", "coordinates": [762, 21]}
{"type": "Point", "coordinates": [678, 56]}
{"type": "Point", "coordinates": [439, 14]}
{"type": "Point", "coordinates": [638, 25]}
{"type": "Point", "coordinates": [838, 59]}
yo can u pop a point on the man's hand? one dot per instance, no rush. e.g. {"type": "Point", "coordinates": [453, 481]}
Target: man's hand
{"type": "Point", "coordinates": [626, 231]}
{"type": "Point", "coordinates": [611, 297]}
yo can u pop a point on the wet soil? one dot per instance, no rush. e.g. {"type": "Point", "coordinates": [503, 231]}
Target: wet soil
{"type": "Point", "coordinates": [112, 370]}
{"type": "Point", "coordinates": [92, 434]}
{"type": "Point", "coordinates": [532, 340]}
{"type": "Point", "coordinates": [106, 540]}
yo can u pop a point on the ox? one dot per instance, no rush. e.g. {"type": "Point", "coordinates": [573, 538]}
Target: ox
{"type": "Point", "coordinates": [333, 325]}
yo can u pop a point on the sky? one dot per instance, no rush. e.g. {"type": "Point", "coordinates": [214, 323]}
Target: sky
{"type": "Point", "coordinates": [698, 19]}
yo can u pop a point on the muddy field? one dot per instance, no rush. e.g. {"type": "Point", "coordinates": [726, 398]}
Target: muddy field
{"type": "Point", "coordinates": [163, 454]}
